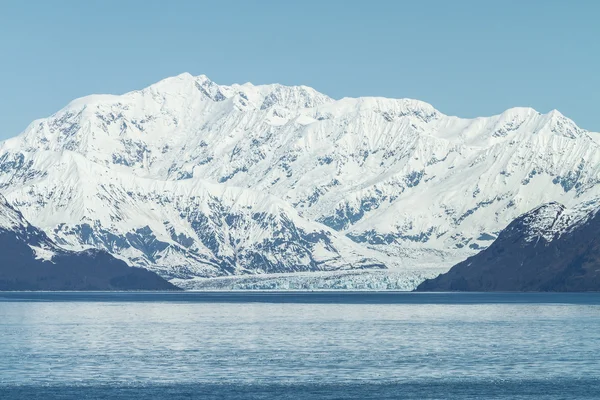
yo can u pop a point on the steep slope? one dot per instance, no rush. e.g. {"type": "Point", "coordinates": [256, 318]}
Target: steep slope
{"type": "Point", "coordinates": [550, 248]}
{"type": "Point", "coordinates": [395, 176]}
{"type": "Point", "coordinates": [29, 260]}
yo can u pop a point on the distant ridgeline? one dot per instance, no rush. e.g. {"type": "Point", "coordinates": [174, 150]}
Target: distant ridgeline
{"type": "Point", "coordinates": [29, 260]}
{"type": "Point", "coordinates": [547, 249]}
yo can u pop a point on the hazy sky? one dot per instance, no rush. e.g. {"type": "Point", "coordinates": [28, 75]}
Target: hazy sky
{"type": "Point", "coordinates": [467, 58]}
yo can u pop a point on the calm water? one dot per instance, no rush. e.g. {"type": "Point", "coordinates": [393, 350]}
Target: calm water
{"type": "Point", "coordinates": [299, 346]}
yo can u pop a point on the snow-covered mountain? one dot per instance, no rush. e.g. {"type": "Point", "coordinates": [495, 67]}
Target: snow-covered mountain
{"type": "Point", "coordinates": [180, 229]}
{"type": "Point", "coordinates": [551, 248]}
{"type": "Point", "coordinates": [30, 260]}
{"type": "Point", "coordinates": [192, 178]}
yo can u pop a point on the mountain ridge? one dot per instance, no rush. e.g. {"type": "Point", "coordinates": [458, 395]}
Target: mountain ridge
{"type": "Point", "coordinates": [410, 186]}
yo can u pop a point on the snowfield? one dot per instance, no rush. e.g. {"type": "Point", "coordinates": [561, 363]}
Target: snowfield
{"type": "Point", "coordinates": [193, 180]}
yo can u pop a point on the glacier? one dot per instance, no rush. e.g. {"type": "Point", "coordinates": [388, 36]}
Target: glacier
{"type": "Point", "coordinates": [355, 280]}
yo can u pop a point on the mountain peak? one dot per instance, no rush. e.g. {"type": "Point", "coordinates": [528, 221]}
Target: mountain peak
{"type": "Point", "coordinates": [520, 111]}
{"type": "Point", "coordinates": [563, 126]}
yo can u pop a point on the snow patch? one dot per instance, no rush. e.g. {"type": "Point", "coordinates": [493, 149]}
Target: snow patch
{"type": "Point", "coordinates": [43, 253]}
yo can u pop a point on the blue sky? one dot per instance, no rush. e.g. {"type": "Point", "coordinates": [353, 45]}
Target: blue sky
{"type": "Point", "coordinates": [467, 58]}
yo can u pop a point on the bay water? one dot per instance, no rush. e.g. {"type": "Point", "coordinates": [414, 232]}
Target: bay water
{"type": "Point", "coordinates": [299, 345]}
